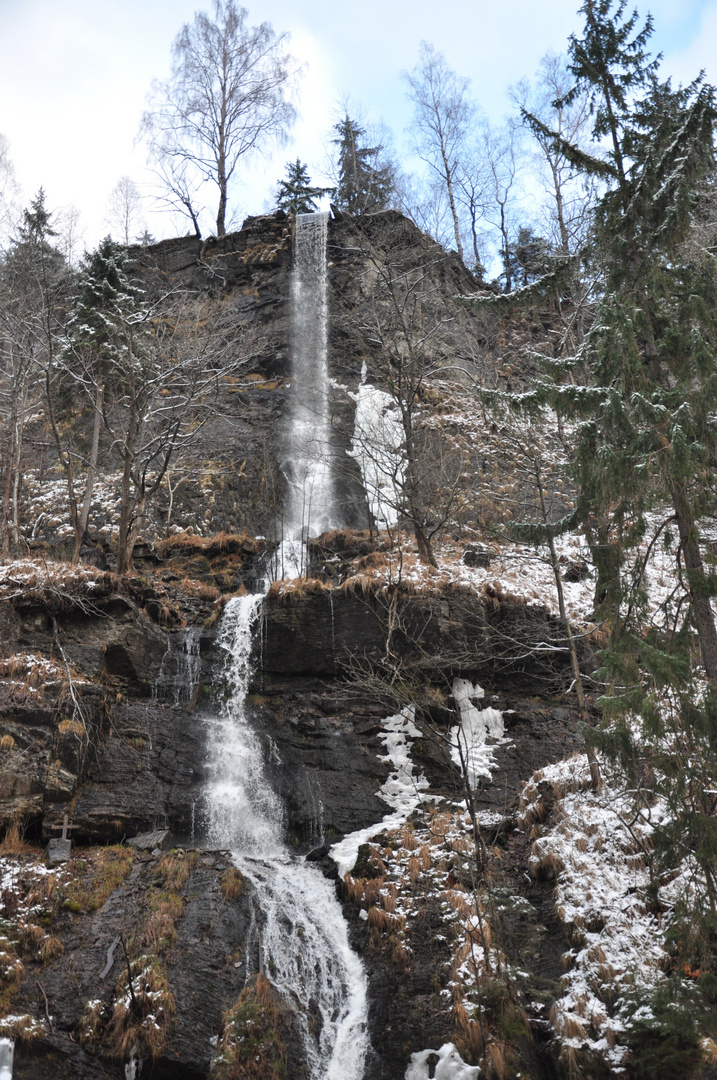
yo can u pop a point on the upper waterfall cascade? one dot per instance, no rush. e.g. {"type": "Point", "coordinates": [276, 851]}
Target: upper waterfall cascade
{"type": "Point", "coordinates": [311, 503]}
{"type": "Point", "coordinates": [303, 942]}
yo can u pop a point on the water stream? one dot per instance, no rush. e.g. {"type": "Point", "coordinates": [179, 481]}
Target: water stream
{"type": "Point", "coordinates": [310, 506]}
{"type": "Point", "coordinates": [303, 943]}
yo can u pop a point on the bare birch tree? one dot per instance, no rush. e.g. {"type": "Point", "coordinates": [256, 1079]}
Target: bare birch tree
{"type": "Point", "coordinates": [226, 98]}
{"type": "Point", "coordinates": [443, 115]}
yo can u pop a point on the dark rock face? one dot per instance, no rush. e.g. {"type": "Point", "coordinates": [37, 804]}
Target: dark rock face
{"type": "Point", "coordinates": [132, 759]}
{"type": "Point", "coordinates": [456, 632]}
{"type": "Point", "coordinates": [140, 767]}
{"type": "Point", "coordinates": [205, 969]}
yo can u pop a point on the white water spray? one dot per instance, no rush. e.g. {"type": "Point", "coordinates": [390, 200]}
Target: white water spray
{"type": "Point", "coordinates": [7, 1048]}
{"type": "Point", "coordinates": [304, 947]}
{"type": "Point", "coordinates": [310, 507]}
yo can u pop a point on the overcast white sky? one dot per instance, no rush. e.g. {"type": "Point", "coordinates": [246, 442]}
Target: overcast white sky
{"type": "Point", "coordinates": [74, 75]}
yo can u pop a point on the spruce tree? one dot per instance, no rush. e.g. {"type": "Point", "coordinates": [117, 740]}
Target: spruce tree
{"type": "Point", "coordinates": [295, 194]}
{"type": "Point", "coordinates": [364, 185]}
{"type": "Point", "coordinates": [639, 396]}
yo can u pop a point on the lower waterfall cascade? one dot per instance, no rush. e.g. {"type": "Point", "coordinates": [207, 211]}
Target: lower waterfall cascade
{"type": "Point", "coordinates": [302, 941]}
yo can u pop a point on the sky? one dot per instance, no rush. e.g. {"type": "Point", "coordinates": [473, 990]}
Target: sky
{"type": "Point", "coordinates": [75, 75]}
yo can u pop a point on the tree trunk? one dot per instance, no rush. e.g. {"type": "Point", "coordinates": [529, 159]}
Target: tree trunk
{"type": "Point", "coordinates": [17, 476]}
{"type": "Point", "coordinates": [593, 762]}
{"type": "Point", "coordinates": [83, 518]}
{"type": "Point", "coordinates": [425, 553]}
{"type": "Point", "coordinates": [222, 210]}
{"type": "Point", "coordinates": [697, 581]}
{"type": "Point", "coordinates": [452, 202]}
{"type": "Point", "coordinates": [124, 526]}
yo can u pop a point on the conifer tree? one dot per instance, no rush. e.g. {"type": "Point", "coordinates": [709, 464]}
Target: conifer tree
{"type": "Point", "coordinates": [363, 183]}
{"type": "Point", "coordinates": [641, 396]}
{"type": "Point", "coordinates": [295, 194]}
{"type": "Point", "coordinates": [33, 278]}
{"type": "Point", "coordinates": [96, 346]}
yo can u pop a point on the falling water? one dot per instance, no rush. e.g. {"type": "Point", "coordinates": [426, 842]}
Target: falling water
{"type": "Point", "coordinates": [303, 942]}
{"type": "Point", "coordinates": [310, 507]}
{"type": "Point", "coordinates": [181, 665]}
{"type": "Point", "coordinates": [6, 1053]}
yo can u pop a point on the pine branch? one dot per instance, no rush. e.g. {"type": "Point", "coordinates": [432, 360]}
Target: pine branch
{"type": "Point", "coordinates": [578, 158]}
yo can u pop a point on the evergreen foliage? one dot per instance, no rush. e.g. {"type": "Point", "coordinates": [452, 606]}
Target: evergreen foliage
{"type": "Point", "coordinates": [639, 397]}
{"type": "Point", "coordinates": [295, 193]}
{"type": "Point", "coordinates": [363, 183]}
{"type": "Point", "coordinates": [105, 298]}
{"type": "Point", "coordinates": [529, 257]}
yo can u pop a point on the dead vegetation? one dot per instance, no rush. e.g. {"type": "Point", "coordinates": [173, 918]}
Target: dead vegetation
{"type": "Point", "coordinates": [222, 543]}
{"type": "Point", "coordinates": [95, 875]}
{"type": "Point", "coordinates": [135, 1023]}
{"type": "Point", "coordinates": [252, 1043]}
{"type": "Point", "coordinates": [231, 883]}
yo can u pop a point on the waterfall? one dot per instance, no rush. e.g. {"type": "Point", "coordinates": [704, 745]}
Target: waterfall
{"type": "Point", "coordinates": [303, 940]}
{"type": "Point", "coordinates": [6, 1054]}
{"type": "Point", "coordinates": [310, 507]}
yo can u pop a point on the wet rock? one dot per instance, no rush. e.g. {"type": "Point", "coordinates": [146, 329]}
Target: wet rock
{"type": "Point", "coordinates": [476, 556]}
{"type": "Point", "coordinates": [151, 841]}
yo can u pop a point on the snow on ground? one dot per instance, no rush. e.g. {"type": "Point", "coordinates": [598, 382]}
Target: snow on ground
{"type": "Point", "coordinates": [598, 846]}
{"type": "Point", "coordinates": [21, 575]}
{"type": "Point", "coordinates": [450, 1065]}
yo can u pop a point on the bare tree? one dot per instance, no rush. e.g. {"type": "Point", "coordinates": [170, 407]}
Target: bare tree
{"type": "Point", "coordinates": [147, 370]}
{"type": "Point", "coordinates": [499, 149]}
{"type": "Point", "coordinates": [8, 192]}
{"type": "Point", "coordinates": [225, 98]}
{"type": "Point", "coordinates": [413, 465]}
{"type": "Point", "coordinates": [32, 284]}
{"type": "Point", "coordinates": [441, 125]}
{"type": "Point", "coordinates": [125, 210]}
{"type": "Point", "coordinates": [569, 195]}
{"type": "Point", "coordinates": [70, 233]}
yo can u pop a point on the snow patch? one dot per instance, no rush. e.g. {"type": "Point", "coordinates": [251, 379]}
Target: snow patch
{"type": "Point", "coordinates": [450, 1065]}
{"type": "Point", "coordinates": [402, 791]}
{"type": "Point", "coordinates": [378, 448]}
{"type": "Point", "coordinates": [469, 739]}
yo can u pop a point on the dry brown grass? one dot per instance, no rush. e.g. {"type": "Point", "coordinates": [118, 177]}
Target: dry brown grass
{"type": "Point", "coordinates": [50, 949]}
{"type": "Point", "coordinates": [23, 1029]}
{"type": "Point", "coordinates": [71, 727]}
{"type": "Point", "coordinates": [165, 910]}
{"type": "Point", "coordinates": [222, 543]}
{"type": "Point", "coordinates": [199, 589]}
{"type": "Point", "coordinates": [414, 869]}
{"type": "Point", "coordinates": [95, 876]}
{"type": "Point", "coordinates": [407, 838]}
{"type": "Point", "coordinates": [547, 866]}
{"type": "Point", "coordinates": [469, 1039]}
{"type": "Point", "coordinates": [379, 918]}
{"type": "Point", "coordinates": [496, 1060]}
{"type": "Point", "coordinates": [175, 869]}
{"type": "Point", "coordinates": [292, 590]}
{"type": "Point", "coordinates": [252, 1045]}
{"type": "Point", "coordinates": [389, 896]}
{"type": "Point", "coordinates": [231, 883]}
{"type": "Point", "coordinates": [14, 843]}
{"type": "Point", "coordinates": [139, 1028]}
